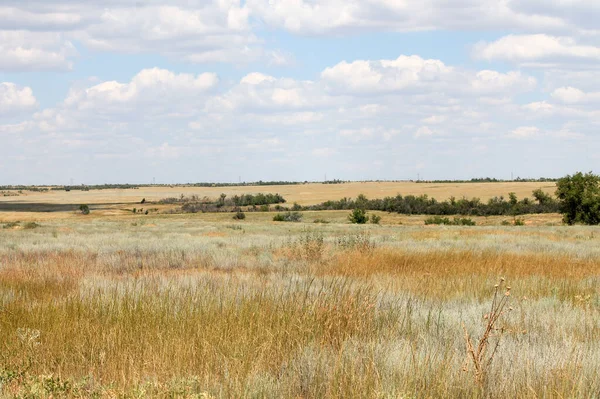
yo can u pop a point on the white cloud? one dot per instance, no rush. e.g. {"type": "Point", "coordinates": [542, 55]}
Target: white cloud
{"type": "Point", "coordinates": [437, 112]}
{"type": "Point", "coordinates": [257, 92]}
{"type": "Point", "coordinates": [38, 18]}
{"type": "Point", "coordinates": [412, 74]}
{"type": "Point", "coordinates": [15, 99]}
{"type": "Point", "coordinates": [539, 106]}
{"type": "Point", "coordinates": [347, 16]}
{"type": "Point", "coordinates": [537, 48]}
{"type": "Point", "coordinates": [403, 73]}
{"type": "Point", "coordinates": [572, 95]}
{"type": "Point", "coordinates": [434, 119]}
{"type": "Point", "coordinates": [525, 132]}
{"type": "Point", "coordinates": [38, 35]}
{"type": "Point", "coordinates": [324, 152]}
{"type": "Point", "coordinates": [148, 86]}
{"type": "Point", "coordinates": [424, 131]}
{"type": "Point", "coordinates": [22, 50]}
{"type": "Point", "coordinates": [493, 81]}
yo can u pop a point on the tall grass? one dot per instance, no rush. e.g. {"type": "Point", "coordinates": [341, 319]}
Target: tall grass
{"type": "Point", "coordinates": [287, 312]}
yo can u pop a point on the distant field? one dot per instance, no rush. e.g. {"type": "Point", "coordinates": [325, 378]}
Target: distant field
{"type": "Point", "coordinates": [306, 194]}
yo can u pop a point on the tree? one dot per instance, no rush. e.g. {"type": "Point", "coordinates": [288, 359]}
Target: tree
{"type": "Point", "coordinates": [541, 197]}
{"type": "Point", "coordinates": [579, 198]}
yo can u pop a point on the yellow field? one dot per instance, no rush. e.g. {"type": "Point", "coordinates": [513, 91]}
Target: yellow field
{"type": "Point", "coordinates": [305, 194]}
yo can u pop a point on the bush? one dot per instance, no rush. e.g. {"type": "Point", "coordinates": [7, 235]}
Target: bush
{"type": "Point", "coordinates": [358, 216]}
{"type": "Point", "coordinates": [11, 225]}
{"type": "Point", "coordinates": [375, 219]}
{"type": "Point", "coordinates": [322, 221]}
{"type": "Point", "coordinates": [288, 217]}
{"type": "Point", "coordinates": [85, 210]}
{"type": "Point", "coordinates": [464, 222]}
{"type": "Point", "coordinates": [31, 225]}
{"type": "Point", "coordinates": [439, 220]}
{"type": "Point", "coordinates": [239, 215]}
{"type": "Point", "coordinates": [579, 198]}
{"type": "Point", "coordinates": [519, 222]}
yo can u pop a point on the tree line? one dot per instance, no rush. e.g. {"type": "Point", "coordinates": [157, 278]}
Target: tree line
{"type": "Point", "coordinates": [425, 205]}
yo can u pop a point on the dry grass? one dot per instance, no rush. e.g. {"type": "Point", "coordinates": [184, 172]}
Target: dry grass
{"type": "Point", "coordinates": [305, 194]}
{"type": "Point", "coordinates": [178, 307]}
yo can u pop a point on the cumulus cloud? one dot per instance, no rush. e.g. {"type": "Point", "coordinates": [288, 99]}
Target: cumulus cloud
{"type": "Point", "coordinates": [38, 35]}
{"type": "Point", "coordinates": [572, 95]}
{"type": "Point", "coordinates": [415, 109]}
{"type": "Point", "coordinates": [15, 99]}
{"type": "Point", "coordinates": [258, 92]}
{"type": "Point", "coordinates": [342, 17]}
{"type": "Point", "coordinates": [413, 73]}
{"type": "Point", "coordinates": [536, 48]}
{"type": "Point", "coordinates": [22, 51]}
{"type": "Point", "coordinates": [525, 132]}
{"type": "Point", "coordinates": [158, 86]}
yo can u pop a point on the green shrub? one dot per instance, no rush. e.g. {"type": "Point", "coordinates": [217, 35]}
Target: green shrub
{"type": "Point", "coordinates": [322, 221]}
{"type": "Point", "coordinates": [358, 216]}
{"type": "Point", "coordinates": [288, 217]}
{"type": "Point", "coordinates": [375, 219]}
{"type": "Point", "coordinates": [11, 225]}
{"type": "Point", "coordinates": [85, 210]}
{"type": "Point", "coordinates": [239, 215]}
{"type": "Point", "coordinates": [31, 225]}
{"type": "Point", "coordinates": [440, 220]}
{"type": "Point", "coordinates": [437, 220]}
{"type": "Point", "coordinates": [463, 222]}
{"type": "Point", "coordinates": [519, 222]}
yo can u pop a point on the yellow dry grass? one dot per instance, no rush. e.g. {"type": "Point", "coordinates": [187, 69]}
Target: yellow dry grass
{"type": "Point", "coordinates": [178, 306]}
{"type": "Point", "coordinates": [305, 194]}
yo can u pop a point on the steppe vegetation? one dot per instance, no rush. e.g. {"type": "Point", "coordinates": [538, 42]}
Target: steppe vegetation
{"type": "Point", "coordinates": [232, 305]}
{"type": "Point", "coordinates": [173, 306]}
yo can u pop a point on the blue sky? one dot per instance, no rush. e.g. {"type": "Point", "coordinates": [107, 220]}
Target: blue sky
{"type": "Point", "coordinates": [214, 90]}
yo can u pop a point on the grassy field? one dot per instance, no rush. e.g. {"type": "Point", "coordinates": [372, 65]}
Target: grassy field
{"type": "Point", "coordinates": [204, 306]}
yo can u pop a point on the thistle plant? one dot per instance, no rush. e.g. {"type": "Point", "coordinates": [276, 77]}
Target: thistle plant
{"type": "Point", "coordinates": [479, 351]}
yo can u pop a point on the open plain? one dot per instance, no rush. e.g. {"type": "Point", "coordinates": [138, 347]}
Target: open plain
{"type": "Point", "coordinates": [115, 304]}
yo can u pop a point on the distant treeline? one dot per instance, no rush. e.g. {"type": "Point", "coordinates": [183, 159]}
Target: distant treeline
{"type": "Point", "coordinates": [21, 188]}
{"type": "Point", "coordinates": [494, 180]}
{"type": "Point", "coordinates": [258, 183]}
{"type": "Point", "coordinates": [424, 205]}
{"type": "Point", "coordinates": [97, 187]}
{"type": "Point", "coordinates": [195, 204]}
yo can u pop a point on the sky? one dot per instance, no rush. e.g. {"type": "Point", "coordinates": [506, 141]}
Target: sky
{"type": "Point", "coordinates": [125, 91]}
